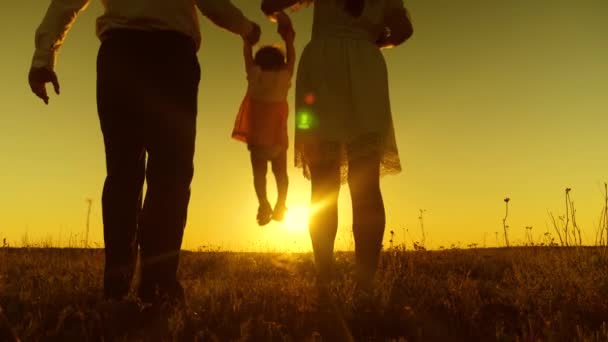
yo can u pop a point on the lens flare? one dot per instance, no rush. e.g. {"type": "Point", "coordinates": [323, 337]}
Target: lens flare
{"type": "Point", "coordinates": [309, 98]}
{"type": "Point", "coordinates": [296, 219]}
{"type": "Point", "coordinates": [305, 120]}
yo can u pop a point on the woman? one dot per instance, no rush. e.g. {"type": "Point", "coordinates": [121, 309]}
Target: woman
{"type": "Point", "coordinates": [344, 129]}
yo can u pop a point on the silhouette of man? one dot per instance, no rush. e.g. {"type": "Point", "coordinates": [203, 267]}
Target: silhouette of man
{"type": "Point", "coordinates": [147, 87]}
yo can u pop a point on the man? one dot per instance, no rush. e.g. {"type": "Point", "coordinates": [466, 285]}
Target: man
{"type": "Point", "coordinates": [147, 87]}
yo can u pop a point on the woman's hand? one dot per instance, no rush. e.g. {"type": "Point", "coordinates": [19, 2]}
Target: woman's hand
{"type": "Point", "coordinates": [398, 28]}
{"type": "Point", "coordinates": [383, 41]}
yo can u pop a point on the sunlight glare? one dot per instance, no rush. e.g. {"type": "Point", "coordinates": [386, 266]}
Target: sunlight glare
{"type": "Point", "coordinates": [296, 219]}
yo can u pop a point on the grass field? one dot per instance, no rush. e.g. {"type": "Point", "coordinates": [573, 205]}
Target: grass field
{"type": "Point", "coordinates": [522, 293]}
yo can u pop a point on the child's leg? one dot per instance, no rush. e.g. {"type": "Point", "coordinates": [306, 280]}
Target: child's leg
{"type": "Point", "coordinates": [279, 169]}
{"type": "Point", "coordinates": [259, 166]}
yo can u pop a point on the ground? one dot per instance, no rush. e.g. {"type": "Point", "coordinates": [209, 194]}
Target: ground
{"type": "Point", "coordinates": [506, 294]}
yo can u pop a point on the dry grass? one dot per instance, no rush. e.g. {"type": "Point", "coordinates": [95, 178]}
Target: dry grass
{"type": "Point", "coordinates": [515, 294]}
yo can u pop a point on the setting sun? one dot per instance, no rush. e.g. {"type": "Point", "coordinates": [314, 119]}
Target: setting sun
{"type": "Point", "coordinates": [296, 219]}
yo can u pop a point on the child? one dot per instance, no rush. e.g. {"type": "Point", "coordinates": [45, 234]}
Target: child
{"type": "Point", "coordinates": [262, 118]}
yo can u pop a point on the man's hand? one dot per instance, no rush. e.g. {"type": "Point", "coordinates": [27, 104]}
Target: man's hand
{"type": "Point", "coordinates": [38, 78]}
{"type": "Point", "coordinates": [253, 37]}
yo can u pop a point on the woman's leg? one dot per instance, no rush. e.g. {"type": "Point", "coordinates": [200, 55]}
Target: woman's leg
{"type": "Point", "coordinates": [368, 216]}
{"type": "Point", "coordinates": [323, 222]}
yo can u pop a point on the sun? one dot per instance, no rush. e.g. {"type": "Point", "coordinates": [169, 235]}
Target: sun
{"type": "Point", "coordinates": [296, 219]}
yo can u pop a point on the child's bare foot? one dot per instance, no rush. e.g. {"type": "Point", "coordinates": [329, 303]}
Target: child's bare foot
{"type": "Point", "coordinates": [264, 214]}
{"type": "Point", "coordinates": [279, 212]}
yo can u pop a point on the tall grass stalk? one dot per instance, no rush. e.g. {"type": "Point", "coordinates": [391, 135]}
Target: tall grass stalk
{"type": "Point", "coordinates": [504, 221]}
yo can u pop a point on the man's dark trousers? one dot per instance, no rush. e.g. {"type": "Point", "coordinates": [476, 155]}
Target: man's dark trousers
{"type": "Point", "coordinates": [147, 87]}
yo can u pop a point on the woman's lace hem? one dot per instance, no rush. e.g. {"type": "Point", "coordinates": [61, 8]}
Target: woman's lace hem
{"type": "Point", "coordinates": [330, 152]}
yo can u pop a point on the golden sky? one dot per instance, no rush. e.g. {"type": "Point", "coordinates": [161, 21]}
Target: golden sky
{"type": "Point", "coordinates": [490, 100]}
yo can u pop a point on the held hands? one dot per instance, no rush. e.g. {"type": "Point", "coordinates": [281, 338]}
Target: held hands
{"type": "Point", "coordinates": [38, 78]}
{"type": "Point", "coordinates": [270, 7]}
{"type": "Point", "coordinates": [285, 27]}
{"type": "Point", "coordinates": [253, 37]}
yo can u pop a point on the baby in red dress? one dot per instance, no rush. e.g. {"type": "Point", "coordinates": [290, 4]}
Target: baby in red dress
{"type": "Point", "coordinates": [262, 118]}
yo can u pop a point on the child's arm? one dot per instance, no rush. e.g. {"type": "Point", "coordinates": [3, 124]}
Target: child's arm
{"type": "Point", "coordinates": [248, 55]}
{"type": "Point", "coordinates": [290, 53]}
{"type": "Point", "coordinates": [286, 31]}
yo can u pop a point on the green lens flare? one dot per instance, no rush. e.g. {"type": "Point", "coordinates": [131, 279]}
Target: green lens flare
{"type": "Point", "coordinates": [304, 120]}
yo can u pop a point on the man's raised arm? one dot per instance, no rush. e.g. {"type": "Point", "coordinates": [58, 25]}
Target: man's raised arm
{"type": "Point", "coordinates": [225, 15]}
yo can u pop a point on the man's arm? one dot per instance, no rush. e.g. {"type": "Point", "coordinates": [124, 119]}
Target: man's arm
{"type": "Point", "coordinates": [52, 32]}
{"type": "Point", "coordinates": [225, 15]}
{"type": "Point", "coordinates": [50, 35]}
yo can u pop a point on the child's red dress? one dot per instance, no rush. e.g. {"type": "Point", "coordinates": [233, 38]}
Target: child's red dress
{"type": "Point", "coordinates": [261, 123]}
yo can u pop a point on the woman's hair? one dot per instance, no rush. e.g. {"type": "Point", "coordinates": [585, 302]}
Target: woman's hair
{"type": "Point", "coordinates": [354, 7]}
{"type": "Point", "coordinates": [269, 58]}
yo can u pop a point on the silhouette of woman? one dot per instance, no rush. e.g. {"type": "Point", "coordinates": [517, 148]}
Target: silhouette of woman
{"type": "Point", "coordinates": [344, 130]}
